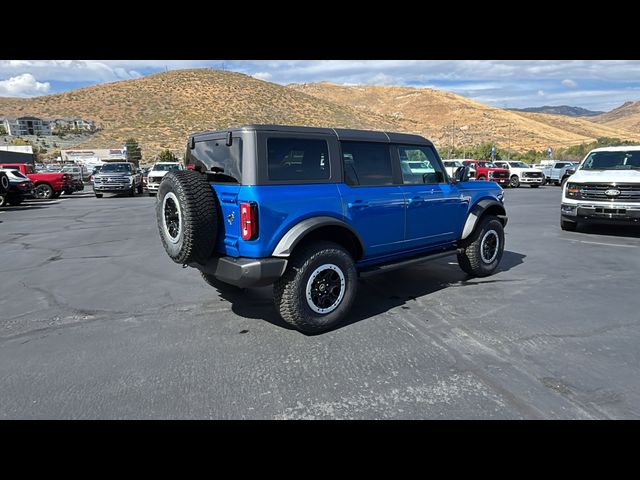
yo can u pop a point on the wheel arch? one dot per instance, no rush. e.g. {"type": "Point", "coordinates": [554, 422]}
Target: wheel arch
{"type": "Point", "coordinates": [482, 208]}
{"type": "Point", "coordinates": [320, 228]}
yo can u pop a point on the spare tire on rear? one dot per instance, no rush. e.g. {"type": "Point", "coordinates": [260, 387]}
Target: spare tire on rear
{"type": "Point", "coordinates": [187, 216]}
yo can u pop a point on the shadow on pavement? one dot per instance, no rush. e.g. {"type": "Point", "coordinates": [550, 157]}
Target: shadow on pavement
{"type": "Point", "coordinates": [611, 230]}
{"type": "Point", "coordinates": [377, 294]}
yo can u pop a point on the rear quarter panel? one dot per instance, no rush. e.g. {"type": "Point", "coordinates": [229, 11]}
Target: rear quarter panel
{"type": "Point", "coordinates": [280, 207]}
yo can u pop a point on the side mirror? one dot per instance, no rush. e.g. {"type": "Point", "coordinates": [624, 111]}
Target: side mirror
{"type": "Point", "coordinates": [462, 174]}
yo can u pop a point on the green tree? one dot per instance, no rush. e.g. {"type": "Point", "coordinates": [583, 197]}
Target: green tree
{"type": "Point", "coordinates": [134, 153]}
{"type": "Point", "coordinates": [19, 141]}
{"type": "Point", "coordinates": [167, 156]}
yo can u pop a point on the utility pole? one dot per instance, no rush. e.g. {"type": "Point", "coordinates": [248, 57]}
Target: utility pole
{"type": "Point", "coordinates": [453, 138]}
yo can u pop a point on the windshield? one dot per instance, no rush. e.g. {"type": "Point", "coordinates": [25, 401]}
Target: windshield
{"type": "Point", "coordinates": [453, 164]}
{"type": "Point", "coordinates": [116, 167]}
{"type": "Point", "coordinates": [487, 165]}
{"type": "Point", "coordinates": [167, 167]}
{"type": "Point", "coordinates": [621, 160]}
{"type": "Point", "coordinates": [519, 164]}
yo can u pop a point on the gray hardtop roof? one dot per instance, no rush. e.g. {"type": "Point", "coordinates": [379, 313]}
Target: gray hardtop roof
{"type": "Point", "coordinates": [340, 133]}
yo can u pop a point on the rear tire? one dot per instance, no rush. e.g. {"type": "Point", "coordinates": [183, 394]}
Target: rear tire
{"type": "Point", "coordinates": [3, 200]}
{"type": "Point", "coordinates": [187, 216]}
{"type": "Point", "coordinates": [568, 225]}
{"type": "Point", "coordinates": [44, 191]}
{"type": "Point", "coordinates": [318, 287]}
{"type": "Point", "coordinates": [479, 255]}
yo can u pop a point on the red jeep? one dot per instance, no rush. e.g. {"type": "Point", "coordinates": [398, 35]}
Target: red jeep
{"type": "Point", "coordinates": [486, 170]}
{"type": "Point", "coordinates": [47, 185]}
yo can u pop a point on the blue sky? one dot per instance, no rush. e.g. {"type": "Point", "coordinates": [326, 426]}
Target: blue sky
{"type": "Point", "coordinates": [596, 85]}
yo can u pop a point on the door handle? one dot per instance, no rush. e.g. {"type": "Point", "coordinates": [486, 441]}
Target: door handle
{"type": "Point", "coordinates": [358, 204]}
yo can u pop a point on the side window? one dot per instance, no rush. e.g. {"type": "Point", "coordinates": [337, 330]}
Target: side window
{"type": "Point", "coordinates": [419, 165]}
{"type": "Point", "coordinates": [367, 163]}
{"type": "Point", "coordinates": [298, 159]}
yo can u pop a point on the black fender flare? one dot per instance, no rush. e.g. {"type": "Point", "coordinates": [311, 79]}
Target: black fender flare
{"type": "Point", "coordinates": [296, 233]}
{"type": "Point", "coordinates": [478, 210]}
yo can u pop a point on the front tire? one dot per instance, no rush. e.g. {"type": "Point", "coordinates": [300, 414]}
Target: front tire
{"type": "Point", "coordinates": [480, 254]}
{"type": "Point", "coordinates": [568, 225]}
{"type": "Point", "coordinates": [140, 189]}
{"type": "Point", "coordinates": [98, 195]}
{"type": "Point", "coordinates": [318, 287]}
{"type": "Point", "coordinates": [514, 182]}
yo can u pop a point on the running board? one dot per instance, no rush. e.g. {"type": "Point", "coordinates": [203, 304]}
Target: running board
{"type": "Point", "coordinates": [387, 267]}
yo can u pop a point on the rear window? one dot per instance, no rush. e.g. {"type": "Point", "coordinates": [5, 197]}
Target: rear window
{"type": "Point", "coordinates": [367, 163]}
{"type": "Point", "coordinates": [294, 159]}
{"type": "Point", "coordinates": [214, 156]}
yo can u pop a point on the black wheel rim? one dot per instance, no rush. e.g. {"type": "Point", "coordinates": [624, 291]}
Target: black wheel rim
{"type": "Point", "coordinates": [325, 289]}
{"type": "Point", "coordinates": [171, 218]}
{"type": "Point", "coordinates": [489, 246]}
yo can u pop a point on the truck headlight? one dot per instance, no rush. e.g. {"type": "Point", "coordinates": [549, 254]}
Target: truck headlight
{"type": "Point", "coordinates": [573, 190]}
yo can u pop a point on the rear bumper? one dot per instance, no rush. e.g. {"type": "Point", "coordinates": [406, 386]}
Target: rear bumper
{"type": "Point", "coordinates": [245, 272]}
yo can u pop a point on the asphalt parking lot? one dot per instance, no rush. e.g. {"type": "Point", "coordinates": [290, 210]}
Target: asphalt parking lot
{"type": "Point", "coordinates": [97, 322]}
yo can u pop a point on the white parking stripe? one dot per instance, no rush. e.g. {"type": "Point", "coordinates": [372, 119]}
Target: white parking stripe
{"type": "Point", "coordinates": [601, 243]}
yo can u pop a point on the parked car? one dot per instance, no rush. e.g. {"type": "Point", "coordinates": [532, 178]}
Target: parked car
{"type": "Point", "coordinates": [117, 177]}
{"type": "Point", "coordinates": [604, 189]}
{"type": "Point", "coordinates": [308, 209]}
{"type": "Point", "coordinates": [19, 188]}
{"type": "Point", "coordinates": [47, 185]}
{"type": "Point", "coordinates": [489, 171]}
{"type": "Point", "coordinates": [555, 172]}
{"type": "Point", "coordinates": [78, 174]}
{"type": "Point", "coordinates": [452, 166]}
{"type": "Point", "coordinates": [520, 172]}
{"type": "Point", "coordinates": [4, 183]}
{"type": "Point", "coordinates": [157, 173]}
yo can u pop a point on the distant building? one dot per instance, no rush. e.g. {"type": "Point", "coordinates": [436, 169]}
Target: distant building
{"type": "Point", "coordinates": [62, 124]}
{"type": "Point", "coordinates": [93, 157]}
{"type": "Point", "coordinates": [26, 126]}
{"type": "Point", "coordinates": [17, 148]}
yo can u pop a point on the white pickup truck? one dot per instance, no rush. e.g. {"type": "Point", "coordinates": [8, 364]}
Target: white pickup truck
{"type": "Point", "coordinates": [557, 173]}
{"type": "Point", "coordinates": [522, 173]}
{"type": "Point", "coordinates": [157, 173]}
{"type": "Point", "coordinates": [604, 189]}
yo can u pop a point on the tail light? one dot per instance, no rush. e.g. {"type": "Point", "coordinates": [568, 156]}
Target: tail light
{"type": "Point", "coordinates": [249, 220]}
{"type": "Point", "coordinates": [23, 184]}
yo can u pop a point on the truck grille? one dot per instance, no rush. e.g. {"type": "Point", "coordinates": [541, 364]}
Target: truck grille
{"type": "Point", "coordinates": [532, 174]}
{"type": "Point", "coordinates": [155, 179]}
{"type": "Point", "coordinates": [500, 174]}
{"type": "Point", "coordinates": [111, 180]}
{"type": "Point", "coordinates": [592, 191]}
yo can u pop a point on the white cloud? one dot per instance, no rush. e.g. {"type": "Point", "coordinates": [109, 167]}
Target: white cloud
{"type": "Point", "coordinates": [569, 83]}
{"type": "Point", "coordinates": [24, 85]}
{"type": "Point", "coordinates": [541, 93]}
{"type": "Point", "coordinates": [262, 75]}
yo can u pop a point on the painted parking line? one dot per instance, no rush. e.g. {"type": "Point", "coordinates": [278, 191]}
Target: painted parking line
{"type": "Point", "coordinates": [600, 243]}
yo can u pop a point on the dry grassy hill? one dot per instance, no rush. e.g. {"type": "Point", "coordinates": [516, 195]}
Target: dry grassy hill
{"type": "Point", "coordinates": [626, 116]}
{"type": "Point", "coordinates": [433, 113]}
{"type": "Point", "coordinates": [161, 110]}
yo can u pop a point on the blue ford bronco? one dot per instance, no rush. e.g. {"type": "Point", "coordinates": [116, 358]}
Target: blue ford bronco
{"type": "Point", "coordinates": [309, 209]}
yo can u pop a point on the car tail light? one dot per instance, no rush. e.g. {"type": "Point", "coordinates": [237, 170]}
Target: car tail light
{"type": "Point", "coordinates": [23, 184]}
{"type": "Point", "coordinates": [249, 220]}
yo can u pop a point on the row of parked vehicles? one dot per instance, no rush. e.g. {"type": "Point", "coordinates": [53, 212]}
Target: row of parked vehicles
{"type": "Point", "coordinates": [124, 177]}
{"type": "Point", "coordinates": [25, 182]}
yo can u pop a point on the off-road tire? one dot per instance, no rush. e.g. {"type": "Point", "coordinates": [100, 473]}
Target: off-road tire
{"type": "Point", "coordinates": [568, 225]}
{"type": "Point", "coordinates": [514, 181]}
{"type": "Point", "coordinates": [470, 257]}
{"type": "Point", "coordinates": [289, 291]}
{"type": "Point", "coordinates": [198, 222]}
